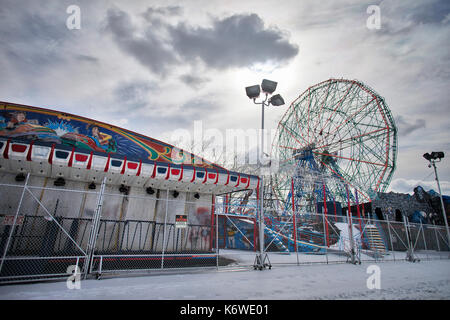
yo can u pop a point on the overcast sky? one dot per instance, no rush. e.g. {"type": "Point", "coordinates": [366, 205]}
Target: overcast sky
{"type": "Point", "coordinates": [157, 66]}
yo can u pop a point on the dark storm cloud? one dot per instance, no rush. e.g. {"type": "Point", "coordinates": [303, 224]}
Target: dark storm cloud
{"type": "Point", "coordinates": [31, 38]}
{"type": "Point", "coordinates": [236, 41]}
{"type": "Point", "coordinates": [239, 40]}
{"type": "Point", "coordinates": [406, 127]}
{"type": "Point", "coordinates": [149, 48]}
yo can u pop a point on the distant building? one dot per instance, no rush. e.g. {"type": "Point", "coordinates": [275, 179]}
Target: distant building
{"type": "Point", "coordinates": [394, 202]}
{"type": "Point", "coordinates": [420, 206]}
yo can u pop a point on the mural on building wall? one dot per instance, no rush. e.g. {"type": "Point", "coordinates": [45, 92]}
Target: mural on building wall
{"type": "Point", "coordinates": [25, 122]}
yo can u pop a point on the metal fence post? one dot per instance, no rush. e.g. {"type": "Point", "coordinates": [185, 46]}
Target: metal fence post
{"type": "Point", "coordinates": [94, 230]}
{"type": "Point", "coordinates": [410, 252]}
{"type": "Point", "coordinates": [350, 228]}
{"type": "Point", "coordinates": [325, 239]}
{"type": "Point", "coordinates": [217, 234]}
{"type": "Point", "coordinates": [14, 222]}
{"type": "Point", "coordinates": [437, 238]}
{"type": "Point", "coordinates": [295, 232]}
{"type": "Point", "coordinates": [390, 238]}
{"type": "Point", "coordinates": [424, 240]}
{"type": "Point", "coordinates": [294, 227]}
{"type": "Point", "coordinates": [164, 230]}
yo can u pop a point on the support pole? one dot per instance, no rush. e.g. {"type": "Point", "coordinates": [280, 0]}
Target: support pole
{"type": "Point", "coordinates": [424, 240]}
{"type": "Point", "coordinates": [225, 223]}
{"type": "Point", "coordinates": [444, 214]}
{"type": "Point", "coordinates": [261, 258]}
{"type": "Point", "coordinates": [212, 231]}
{"type": "Point", "coordinates": [359, 216]}
{"type": "Point", "coordinates": [217, 234]}
{"type": "Point", "coordinates": [94, 230]}
{"type": "Point", "coordinates": [410, 252]}
{"type": "Point", "coordinates": [350, 228]}
{"type": "Point", "coordinates": [164, 230]}
{"type": "Point", "coordinates": [324, 222]}
{"type": "Point", "coordinates": [325, 211]}
{"type": "Point", "coordinates": [293, 216]}
{"type": "Point", "coordinates": [390, 238]}
{"type": "Point", "coordinates": [255, 235]}
{"type": "Point", "coordinates": [335, 213]}
{"type": "Point", "coordinates": [437, 239]}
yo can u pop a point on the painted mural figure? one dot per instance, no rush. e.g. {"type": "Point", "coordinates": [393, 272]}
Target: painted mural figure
{"type": "Point", "coordinates": [103, 140]}
{"type": "Point", "coordinates": [17, 125]}
{"type": "Point", "coordinates": [231, 237]}
{"type": "Point", "coordinates": [97, 141]}
{"type": "Point", "coordinates": [16, 119]}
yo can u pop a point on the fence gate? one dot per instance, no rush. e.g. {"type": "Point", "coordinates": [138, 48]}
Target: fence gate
{"type": "Point", "coordinates": [172, 232]}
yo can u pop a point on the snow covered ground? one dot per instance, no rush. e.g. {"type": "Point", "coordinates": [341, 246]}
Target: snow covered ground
{"type": "Point", "coordinates": [398, 280]}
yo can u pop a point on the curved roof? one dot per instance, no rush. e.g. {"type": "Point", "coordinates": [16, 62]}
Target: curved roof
{"type": "Point", "coordinates": [45, 125]}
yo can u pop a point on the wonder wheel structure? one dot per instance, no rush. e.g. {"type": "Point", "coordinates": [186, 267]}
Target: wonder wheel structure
{"type": "Point", "coordinates": [338, 135]}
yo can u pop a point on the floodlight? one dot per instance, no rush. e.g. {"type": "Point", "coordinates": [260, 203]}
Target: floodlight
{"type": "Point", "coordinates": [20, 177]}
{"type": "Point", "coordinates": [427, 156]}
{"type": "Point", "coordinates": [196, 196]}
{"type": "Point", "coordinates": [124, 189]}
{"type": "Point", "coordinates": [437, 155]}
{"type": "Point", "coordinates": [276, 100]}
{"type": "Point", "coordinates": [92, 186]}
{"type": "Point", "coordinates": [175, 193]}
{"type": "Point", "coordinates": [60, 182]}
{"type": "Point", "coordinates": [268, 86]}
{"type": "Point", "coordinates": [253, 91]}
{"type": "Point", "coordinates": [434, 155]}
{"type": "Point", "coordinates": [150, 190]}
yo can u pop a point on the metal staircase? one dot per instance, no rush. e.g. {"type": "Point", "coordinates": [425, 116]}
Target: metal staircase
{"type": "Point", "coordinates": [374, 240]}
{"type": "Point", "coordinates": [276, 239]}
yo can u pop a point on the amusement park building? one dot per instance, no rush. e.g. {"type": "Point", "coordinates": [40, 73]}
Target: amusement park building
{"type": "Point", "coordinates": [62, 151]}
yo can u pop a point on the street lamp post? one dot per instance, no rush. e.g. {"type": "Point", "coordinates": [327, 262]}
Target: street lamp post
{"type": "Point", "coordinates": [253, 92]}
{"type": "Point", "coordinates": [432, 159]}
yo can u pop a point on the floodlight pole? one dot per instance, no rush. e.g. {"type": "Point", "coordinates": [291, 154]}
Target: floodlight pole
{"type": "Point", "coordinates": [253, 92]}
{"type": "Point", "coordinates": [262, 256]}
{"type": "Point", "coordinates": [432, 162]}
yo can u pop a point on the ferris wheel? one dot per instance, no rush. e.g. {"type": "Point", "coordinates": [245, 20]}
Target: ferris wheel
{"type": "Point", "coordinates": [339, 133]}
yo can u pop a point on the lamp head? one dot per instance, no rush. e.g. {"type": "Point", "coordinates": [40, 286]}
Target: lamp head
{"type": "Point", "coordinates": [253, 91]}
{"type": "Point", "coordinates": [268, 86]}
{"type": "Point", "coordinates": [276, 100]}
{"type": "Point", "coordinates": [434, 155]}
{"type": "Point", "coordinates": [437, 155]}
{"type": "Point", "coordinates": [427, 156]}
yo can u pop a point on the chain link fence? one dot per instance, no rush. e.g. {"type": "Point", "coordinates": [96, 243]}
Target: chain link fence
{"type": "Point", "coordinates": [49, 231]}
{"type": "Point", "coordinates": [36, 240]}
{"type": "Point", "coordinates": [321, 238]}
